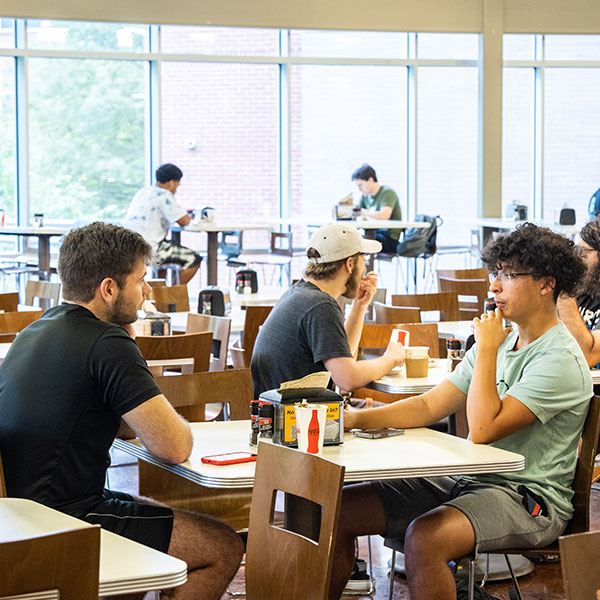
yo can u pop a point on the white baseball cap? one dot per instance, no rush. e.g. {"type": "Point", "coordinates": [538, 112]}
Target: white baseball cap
{"type": "Point", "coordinates": [340, 240]}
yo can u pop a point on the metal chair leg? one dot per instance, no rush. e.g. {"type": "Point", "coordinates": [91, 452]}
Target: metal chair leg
{"type": "Point", "coordinates": [392, 575]}
{"type": "Point", "coordinates": [471, 579]}
{"type": "Point", "coordinates": [514, 578]}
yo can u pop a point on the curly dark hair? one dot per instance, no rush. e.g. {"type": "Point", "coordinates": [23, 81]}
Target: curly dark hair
{"type": "Point", "coordinates": [540, 250]}
{"type": "Point", "coordinates": [364, 172]}
{"type": "Point", "coordinates": [99, 250]}
{"type": "Point", "coordinates": [590, 234]}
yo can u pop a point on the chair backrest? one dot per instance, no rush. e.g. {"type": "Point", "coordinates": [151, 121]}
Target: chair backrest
{"type": "Point", "coordinates": [472, 294]}
{"type": "Point", "coordinates": [190, 394]}
{"type": "Point", "coordinates": [186, 345]}
{"type": "Point", "coordinates": [13, 322]}
{"type": "Point", "coordinates": [421, 334]}
{"type": "Point", "coordinates": [42, 290]}
{"type": "Point", "coordinates": [9, 301]}
{"type": "Point", "coordinates": [221, 328]}
{"type": "Point", "coordinates": [281, 563]}
{"type": "Point", "coordinates": [385, 313]}
{"type": "Point", "coordinates": [579, 558]}
{"type": "Point", "coordinates": [255, 317]}
{"type": "Point", "coordinates": [68, 561]}
{"type": "Point", "coordinates": [444, 302]}
{"type": "Point", "coordinates": [230, 243]}
{"type": "Point", "coordinates": [174, 298]}
{"type": "Point", "coordinates": [281, 244]}
{"type": "Point", "coordinates": [478, 273]}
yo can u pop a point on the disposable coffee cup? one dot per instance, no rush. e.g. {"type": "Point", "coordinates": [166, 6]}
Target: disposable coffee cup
{"type": "Point", "coordinates": [400, 335]}
{"type": "Point", "coordinates": [310, 427]}
{"type": "Point", "coordinates": [417, 361]}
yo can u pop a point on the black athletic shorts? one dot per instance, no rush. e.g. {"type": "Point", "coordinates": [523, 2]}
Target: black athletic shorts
{"type": "Point", "coordinates": [144, 523]}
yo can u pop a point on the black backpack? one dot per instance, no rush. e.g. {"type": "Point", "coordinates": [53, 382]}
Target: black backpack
{"type": "Point", "coordinates": [420, 242]}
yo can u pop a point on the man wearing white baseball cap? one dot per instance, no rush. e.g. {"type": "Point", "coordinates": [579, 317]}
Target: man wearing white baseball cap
{"type": "Point", "coordinates": [305, 332]}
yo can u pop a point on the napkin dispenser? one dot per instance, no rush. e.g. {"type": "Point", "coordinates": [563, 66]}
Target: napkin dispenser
{"type": "Point", "coordinates": [284, 417]}
{"type": "Point", "coordinates": [215, 301]}
{"type": "Point", "coordinates": [246, 281]}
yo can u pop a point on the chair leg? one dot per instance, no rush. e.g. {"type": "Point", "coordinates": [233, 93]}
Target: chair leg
{"type": "Point", "coordinates": [392, 575]}
{"type": "Point", "coordinates": [514, 578]}
{"type": "Point", "coordinates": [471, 579]}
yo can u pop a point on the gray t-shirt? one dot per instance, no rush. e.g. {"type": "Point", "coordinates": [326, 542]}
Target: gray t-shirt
{"type": "Point", "coordinates": [304, 328]}
{"type": "Point", "coordinates": [551, 377]}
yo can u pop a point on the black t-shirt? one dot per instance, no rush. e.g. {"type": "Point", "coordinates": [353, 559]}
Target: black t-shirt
{"type": "Point", "coordinates": [64, 385]}
{"type": "Point", "coordinates": [304, 328]}
{"type": "Point", "coordinates": [589, 308]}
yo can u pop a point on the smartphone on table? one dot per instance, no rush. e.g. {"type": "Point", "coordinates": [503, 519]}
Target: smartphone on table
{"type": "Point", "coordinates": [377, 432]}
{"type": "Point", "coordinates": [229, 458]}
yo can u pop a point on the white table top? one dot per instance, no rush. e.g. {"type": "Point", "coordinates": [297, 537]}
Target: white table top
{"type": "Point", "coordinates": [417, 453]}
{"type": "Point", "coordinates": [226, 226]}
{"type": "Point", "coordinates": [40, 231]}
{"type": "Point", "coordinates": [125, 566]}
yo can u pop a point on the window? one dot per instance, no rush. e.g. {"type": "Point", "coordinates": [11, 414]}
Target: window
{"type": "Point", "coordinates": [448, 46]}
{"type": "Point", "coordinates": [7, 33]}
{"type": "Point", "coordinates": [572, 47]}
{"type": "Point", "coordinates": [7, 138]}
{"type": "Point", "coordinates": [518, 46]}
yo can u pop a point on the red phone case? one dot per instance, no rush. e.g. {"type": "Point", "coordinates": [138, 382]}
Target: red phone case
{"type": "Point", "coordinates": [221, 459]}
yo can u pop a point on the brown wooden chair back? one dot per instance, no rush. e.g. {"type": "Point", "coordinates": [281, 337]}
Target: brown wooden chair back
{"type": "Point", "coordinates": [9, 301]}
{"type": "Point", "coordinates": [189, 394]}
{"type": "Point", "coordinates": [2, 480]}
{"type": "Point", "coordinates": [444, 302]}
{"type": "Point", "coordinates": [385, 313]}
{"type": "Point", "coordinates": [13, 322]}
{"type": "Point", "coordinates": [478, 273]}
{"type": "Point", "coordinates": [281, 244]}
{"type": "Point", "coordinates": [174, 298]}
{"type": "Point", "coordinates": [42, 290]}
{"type": "Point", "coordinates": [473, 292]}
{"type": "Point", "coordinates": [220, 328]}
{"type": "Point", "coordinates": [187, 345]}
{"type": "Point", "coordinates": [255, 317]}
{"type": "Point", "coordinates": [68, 561]}
{"type": "Point", "coordinates": [421, 334]}
{"type": "Point", "coordinates": [279, 560]}
{"type": "Point", "coordinates": [579, 558]}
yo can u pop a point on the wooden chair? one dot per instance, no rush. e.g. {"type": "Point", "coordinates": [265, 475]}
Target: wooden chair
{"type": "Point", "coordinates": [173, 298]}
{"type": "Point", "coordinates": [280, 255]}
{"type": "Point", "coordinates": [476, 291]}
{"type": "Point", "coordinates": [12, 323]}
{"type": "Point", "coordinates": [68, 561]}
{"type": "Point", "coordinates": [479, 273]}
{"type": "Point", "coordinates": [377, 336]}
{"type": "Point", "coordinates": [190, 394]}
{"type": "Point", "coordinates": [292, 562]}
{"type": "Point", "coordinates": [9, 301]}
{"type": "Point", "coordinates": [255, 317]}
{"type": "Point", "coordinates": [446, 303]}
{"type": "Point", "coordinates": [580, 556]}
{"type": "Point", "coordinates": [385, 313]}
{"type": "Point", "coordinates": [46, 293]}
{"type": "Point", "coordinates": [220, 328]}
{"type": "Point", "coordinates": [187, 345]}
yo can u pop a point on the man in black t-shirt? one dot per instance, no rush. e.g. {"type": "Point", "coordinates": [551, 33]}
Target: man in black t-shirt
{"type": "Point", "coordinates": [582, 315]}
{"type": "Point", "coordinates": [305, 332]}
{"type": "Point", "coordinates": [65, 384]}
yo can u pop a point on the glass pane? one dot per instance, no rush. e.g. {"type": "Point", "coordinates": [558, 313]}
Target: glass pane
{"type": "Point", "coordinates": [518, 46]}
{"type": "Point", "coordinates": [7, 138]}
{"type": "Point", "coordinates": [231, 41]}
{"type": "Point", "coordinates": [517, 137]}
{"type": "Point", "coordinates": [572, 47]}
{"type": "Point", "coordinates": [448, 45]}
{"type": "Point", "coordinates": [447, 148]}
{"type": "Point", "coordinates": [571, 139]}
{"type": "Point", "coordinates": [348, 44]}
{"type": "Point", "coordinates": [338, 123]}
{"type": "Point", "coordinates": [72, 35]}
{"type": "Point", "coordinates": [86, 136]}
{"type": "Point", "coordinates": [7, 33]}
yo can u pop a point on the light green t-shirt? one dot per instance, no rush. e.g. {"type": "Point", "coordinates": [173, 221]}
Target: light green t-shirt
{"type": "Point", "coordinates": [386, 196]}
{"type": "Point", "coordinates": [551, 377]}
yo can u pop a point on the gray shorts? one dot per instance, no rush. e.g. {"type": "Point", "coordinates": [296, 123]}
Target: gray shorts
{"type": "Point", "coordinates": [168, 251]}
{"type": "Point", "coordinates": [496, 512]}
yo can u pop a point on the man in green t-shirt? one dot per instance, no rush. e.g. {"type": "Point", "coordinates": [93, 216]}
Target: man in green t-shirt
{"type": "Point", "coordinates": [378, 202]}
{"type": "Point", "coordinates": [526, 390]}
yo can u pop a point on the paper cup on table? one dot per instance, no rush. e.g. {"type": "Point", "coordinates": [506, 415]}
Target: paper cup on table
{"type": "Point", "coordinates": [310, 427]}
{"type": "Point", "coordinates": [417, 361]}
{"type": "Point", "coordinates": [400, 335]}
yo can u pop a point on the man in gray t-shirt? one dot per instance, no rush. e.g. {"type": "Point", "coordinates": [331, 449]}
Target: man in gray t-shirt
{"type": "Point", "coordinates": [527, 391]}
{"type": "Point", "coordinates": [305, 332]}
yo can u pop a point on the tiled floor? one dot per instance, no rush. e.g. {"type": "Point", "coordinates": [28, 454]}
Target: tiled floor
{"type": "Point", "coordinates": [545, 583]}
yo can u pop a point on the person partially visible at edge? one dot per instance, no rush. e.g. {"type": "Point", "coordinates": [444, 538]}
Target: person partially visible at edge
{"type": "Point", "coordinates": [65, 384]}
{"type": "Point", "coordinates": [151, 213]}
{"type": "Point", "coordinates": [378, 202]}
{"type": "Point", "coordinates": [582, 315]}
{"type": "Point", "coordinates": [526, 390]}
{"type": "Point", "coordinates": [305, 332]}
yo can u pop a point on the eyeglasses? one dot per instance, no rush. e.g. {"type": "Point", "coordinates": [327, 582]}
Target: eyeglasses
{"type": "Point", "coordinates": [504, 277]}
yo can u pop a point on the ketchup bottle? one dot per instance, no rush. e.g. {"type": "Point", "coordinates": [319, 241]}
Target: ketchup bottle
{"type": "Point", "coordinates": [313, 433]}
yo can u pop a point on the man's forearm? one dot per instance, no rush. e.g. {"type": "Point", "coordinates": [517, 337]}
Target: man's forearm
{"type": "Point", "coordinates": [570, 316]}
{"type": "Point", "coordinates": [354, 326]}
